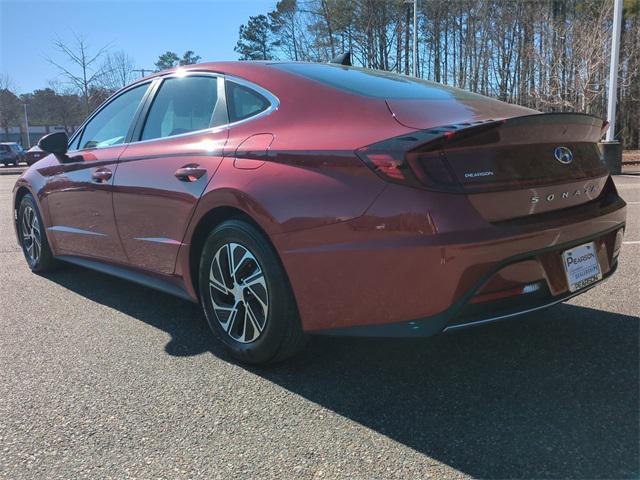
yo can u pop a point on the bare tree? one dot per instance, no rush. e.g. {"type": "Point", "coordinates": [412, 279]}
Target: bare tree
{"type": "Point", "coordinates": [84, 70]}
{"type": "Point", "coordinates": [65, 106]}
{"type": "Point", "coordinates": [118, 70]}
{"type": "Point", "coordinates": [551, 55]}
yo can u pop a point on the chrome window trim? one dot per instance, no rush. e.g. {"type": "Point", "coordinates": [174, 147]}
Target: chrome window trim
{"type": "Point", "coordinates": [272, 99]}
{"type": "Point", "coordinates": [217, 129]}
{"type": "Point", "coordinates": [191, 73]}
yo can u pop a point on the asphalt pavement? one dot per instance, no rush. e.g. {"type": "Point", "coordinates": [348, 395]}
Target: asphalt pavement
{"type": "Point", "coordinates": [101, 378]}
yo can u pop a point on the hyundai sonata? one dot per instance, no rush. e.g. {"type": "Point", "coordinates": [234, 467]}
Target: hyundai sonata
{"type": "Point", "coordinates": [295, 198]}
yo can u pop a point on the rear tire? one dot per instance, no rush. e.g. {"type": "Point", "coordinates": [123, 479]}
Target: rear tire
{"type": "Point", "coordinates": [33, 237]}
{"type": "Point", "coordinates": [246, 295]}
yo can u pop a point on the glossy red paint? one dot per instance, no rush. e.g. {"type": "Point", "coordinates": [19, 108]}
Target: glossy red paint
{"type": "Point", "coordinates": [358, 250]}
{"type": "Point", "coordinates": [80, 218]}
{"type": "Point", "coordinates": [151, 205]}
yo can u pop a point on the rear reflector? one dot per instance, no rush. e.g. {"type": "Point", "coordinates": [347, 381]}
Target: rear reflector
{"type": "Point", "coordinates": [511, 292]}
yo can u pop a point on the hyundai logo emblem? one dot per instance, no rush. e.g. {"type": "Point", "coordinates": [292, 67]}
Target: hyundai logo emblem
{"type": "Point", "coordinates": [563, 155]}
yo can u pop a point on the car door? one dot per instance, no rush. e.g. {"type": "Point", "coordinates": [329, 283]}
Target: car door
{"type": "Point", "coordinates": [161, 176]}
{"type": "Point", "coordinates": [79, 187]}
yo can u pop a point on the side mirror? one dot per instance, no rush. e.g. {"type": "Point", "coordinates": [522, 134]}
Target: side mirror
{"type": "Point", "coordinates": [54, 143]}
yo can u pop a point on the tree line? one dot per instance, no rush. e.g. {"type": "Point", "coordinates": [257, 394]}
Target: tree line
{"type": "Point", "coordinates": [551, 55]}
{"type": "Point", "coordinates": [87, 76]}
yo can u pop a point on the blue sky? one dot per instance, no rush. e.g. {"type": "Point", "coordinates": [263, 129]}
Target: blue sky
{"type": "Point", "coordinates": [142, 28]}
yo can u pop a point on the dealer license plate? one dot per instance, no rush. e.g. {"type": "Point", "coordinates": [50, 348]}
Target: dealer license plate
{"type": "Point", "coordinates": [581, 266]}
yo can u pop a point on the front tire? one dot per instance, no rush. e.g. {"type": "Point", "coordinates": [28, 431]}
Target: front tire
{"type": "Point", "coordinates": [33, 237]}
{"type": "Point", "coordinates": [246, 295]}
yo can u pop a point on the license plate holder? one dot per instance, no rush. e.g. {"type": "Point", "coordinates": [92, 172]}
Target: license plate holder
{"type": "Point", "coordinates": [581, 266]}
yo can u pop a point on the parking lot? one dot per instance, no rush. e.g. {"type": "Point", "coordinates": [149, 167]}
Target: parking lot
{"type": "Point", "coordinates": [103, 378]}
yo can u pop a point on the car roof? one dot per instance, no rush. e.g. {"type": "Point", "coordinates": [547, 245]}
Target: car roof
{"type": "Point", "coordinates": [236, 67]}
{"type": "Point", "coordinates": [360, 81]}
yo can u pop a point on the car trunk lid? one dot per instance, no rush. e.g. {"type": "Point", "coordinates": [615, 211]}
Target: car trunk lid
{"type": "Point", "coordinates": [510, 167]}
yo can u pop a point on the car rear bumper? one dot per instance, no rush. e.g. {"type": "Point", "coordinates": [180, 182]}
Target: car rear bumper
{"type": "Point", "coordinates": [462, 315]}
{"type": "Point", "coordinates": [420, 273]}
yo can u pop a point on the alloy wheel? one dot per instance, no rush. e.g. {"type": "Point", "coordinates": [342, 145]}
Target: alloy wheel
{"type": "Point", "coordinates": [31, 237]}
{"type": "Point", "coordinates": [239, 294]}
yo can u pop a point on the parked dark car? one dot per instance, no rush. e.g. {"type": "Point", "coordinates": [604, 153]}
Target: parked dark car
{"type": "Point", "coordinates": [34, 154]}
{"type": "Point", "coordinates": [11, 153]}
{"type": "Point", "coordinates": [296, 198]}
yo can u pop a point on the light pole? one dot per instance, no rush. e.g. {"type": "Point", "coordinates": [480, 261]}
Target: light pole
{"type": "Point", "coordinates": [415, 38]}
{"type": "Point", "coordinates": [143, 71]}
{"type": "Point", "coordinates": [611, 149]}
{"type": "Point", "coordinates": [613, 71]}
{"type": "Point", "coordinates": [26, 122]}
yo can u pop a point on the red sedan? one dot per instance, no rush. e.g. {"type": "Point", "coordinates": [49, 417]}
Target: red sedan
{"type": "Point", "coordinates": [296, 198]}
{"type": "Point", "coordinates": [34, 154]}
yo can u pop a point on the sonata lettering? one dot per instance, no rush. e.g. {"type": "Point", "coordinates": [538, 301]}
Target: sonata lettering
{"type": "Point", "coordinates": [563, 195]}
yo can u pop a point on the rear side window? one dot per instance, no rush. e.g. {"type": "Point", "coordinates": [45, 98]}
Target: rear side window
{"type": "Point", "coordinates": [111, 124]}
{"type": "Point", "coordinates": [183, 105]}
{"type": "Point", "coordinates": [375, 83]}
{"type": "Point", "coordinates": [244, 102]}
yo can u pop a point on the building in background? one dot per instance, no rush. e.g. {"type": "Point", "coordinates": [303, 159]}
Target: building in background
{"type": "Point", "coordinates": [18, 134]}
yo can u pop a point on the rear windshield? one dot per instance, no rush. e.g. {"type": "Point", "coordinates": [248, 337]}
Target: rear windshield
{"type": "Point", "coordinates": [375, 83]}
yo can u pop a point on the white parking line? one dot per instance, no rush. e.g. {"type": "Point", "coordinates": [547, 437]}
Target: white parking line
{"type": "Point", "coordinates": [632, 242]}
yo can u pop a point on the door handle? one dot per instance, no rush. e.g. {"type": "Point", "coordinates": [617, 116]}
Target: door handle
{"type": "Point", "coordinates": [101, 175]}
{"type": "Point", "coordinates": [190, 173]}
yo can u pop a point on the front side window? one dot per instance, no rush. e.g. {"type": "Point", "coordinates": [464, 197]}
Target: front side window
{"type": "Point", "coordinates": [74, 145]}
{"type": "Point", "coordinates": [183, 105]}
{"type": "Point", "coordinates": [110, 126]}
{"type": "Point", "coordinates": [244, 102]}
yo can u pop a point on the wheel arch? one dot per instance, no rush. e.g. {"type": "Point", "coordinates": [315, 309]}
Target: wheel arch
{"type": "Point", "coordinates": [19, 194]}
{"type": "Point", "coordinates": [21, 191]}
{"type": "Point", "coordinates": [210, 220]}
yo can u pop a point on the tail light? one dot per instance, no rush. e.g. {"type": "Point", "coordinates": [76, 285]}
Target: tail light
{"type": "Point", "coordinates": [390, 165]}
{"type": "Point", "coordinates": [493, 155]}
{"type": "Point", "coordinates": [418, 159]}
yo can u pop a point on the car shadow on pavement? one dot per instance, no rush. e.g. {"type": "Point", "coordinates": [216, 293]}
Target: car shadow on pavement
{"type": "Point", "coordinates": [551, 395]}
